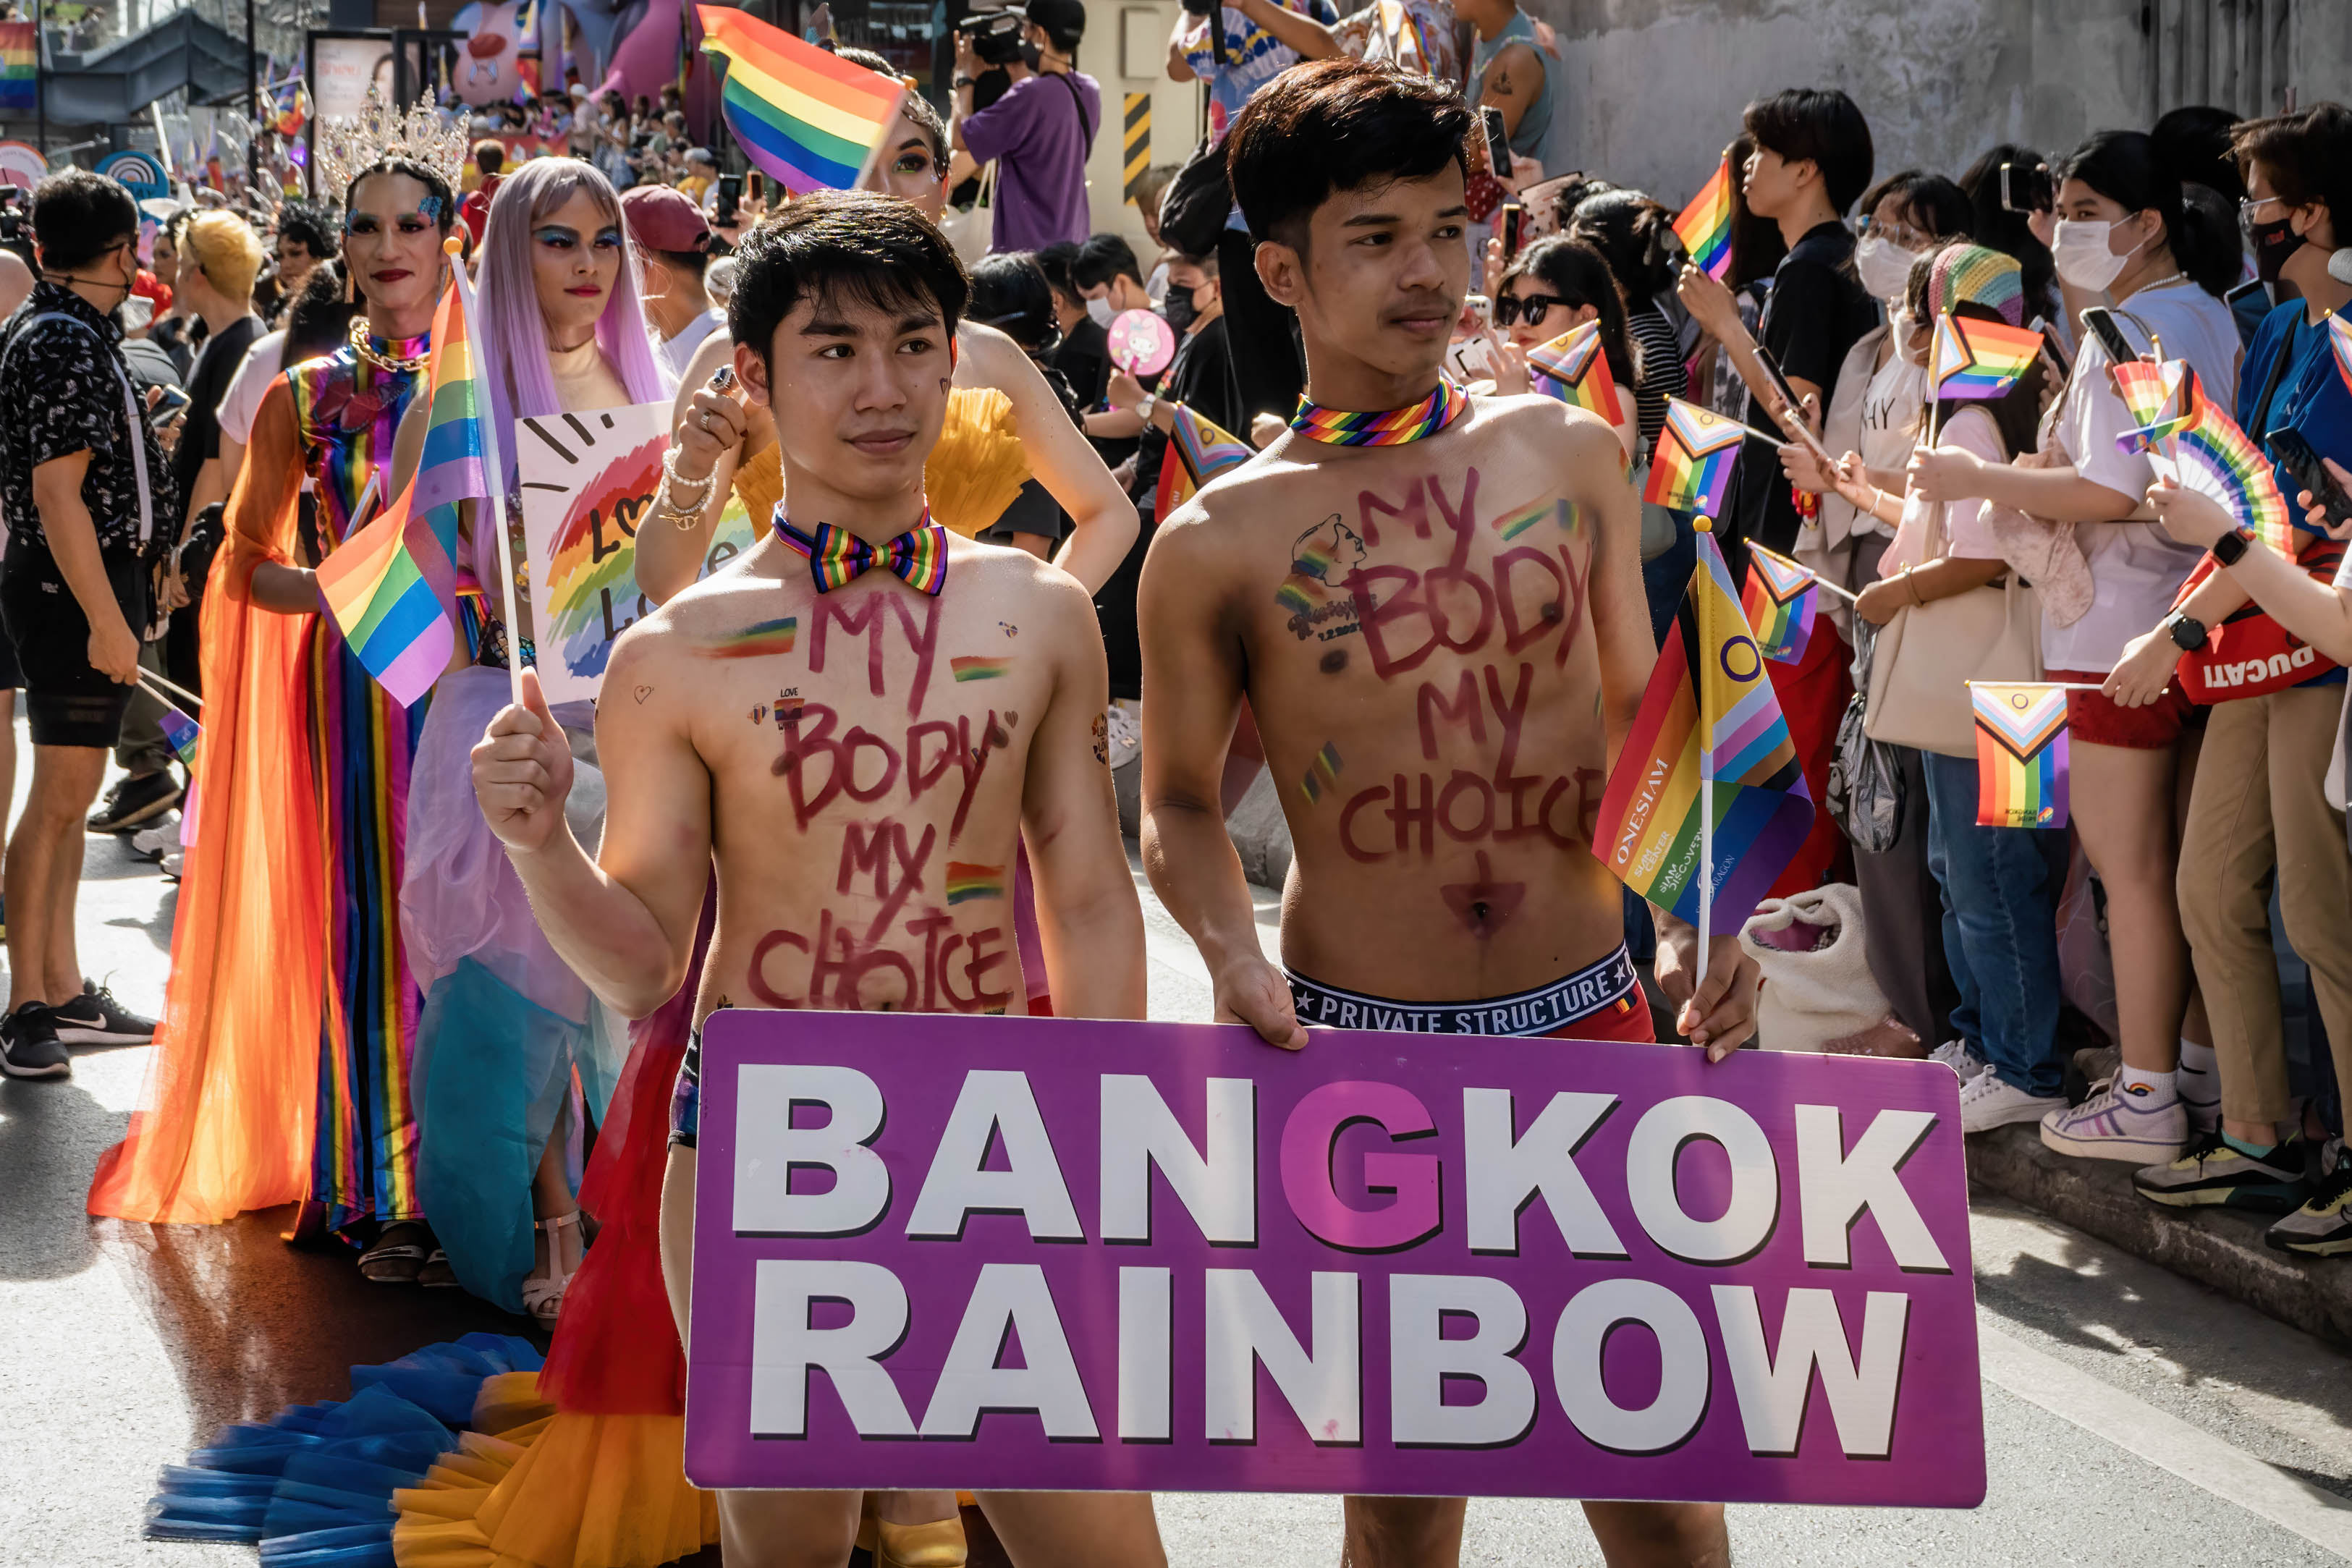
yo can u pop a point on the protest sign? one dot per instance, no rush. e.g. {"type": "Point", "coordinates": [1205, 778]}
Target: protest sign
{"type": "Point", "coordinates": [933, 1252]}
{"type": "Point", "coordinates": [588, 480]}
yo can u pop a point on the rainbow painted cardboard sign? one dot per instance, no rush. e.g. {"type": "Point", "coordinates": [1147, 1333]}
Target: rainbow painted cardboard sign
{"type": "Point", "coordinates": [941, 1253]}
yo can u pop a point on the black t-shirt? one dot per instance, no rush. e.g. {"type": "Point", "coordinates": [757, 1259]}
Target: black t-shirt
{"type": "Point", "coordinates": [215, 367]}
{"type": "Point", "coordinates": [1200, 377]}
{"type": "Point", "coordinates": [1815, 312]}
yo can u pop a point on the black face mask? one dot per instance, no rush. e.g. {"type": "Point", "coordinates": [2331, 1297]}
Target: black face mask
{"type": "Point", "coordinates": [2273, 244]}
{"type": "Point", "coordinates": [1178, 309]}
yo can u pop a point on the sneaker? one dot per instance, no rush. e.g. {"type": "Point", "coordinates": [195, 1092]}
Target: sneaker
{"type": "Point", "coordinates": [134, 800]}
{"type": "Point", "coordinates": [1988, 1101]}
{"type": "Point", "coordinates": [2322, 1227]}
{"type": "Point", "coordinates": [94, 1018]}
{"type": "Point", "coordinates": [2213, 1170]}
{"type": "Point", "coordinates": [171, 859]}
{"type": "Point", "coordinates": [158, 838]}
{"type": "Point", "coordinates": [1125, 735]}
{"type": "Point", "coordinates": [2116, 1123]}
{"type": "Point", "coordinates": [1956, 1055]}
{"type": "Point", "coordinates": [29, 1046]}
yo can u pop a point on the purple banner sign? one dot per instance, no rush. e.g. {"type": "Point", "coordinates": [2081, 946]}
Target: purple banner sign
{"type": "Point", "coordinates": [941, 1253]}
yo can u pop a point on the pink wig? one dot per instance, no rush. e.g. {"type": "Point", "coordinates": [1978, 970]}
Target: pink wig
{"type": "Point", "coordinates": [514, 354]}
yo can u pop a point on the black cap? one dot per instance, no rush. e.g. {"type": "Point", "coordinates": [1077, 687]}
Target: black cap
{"type": "Point", "coordinates": [1065, 21]}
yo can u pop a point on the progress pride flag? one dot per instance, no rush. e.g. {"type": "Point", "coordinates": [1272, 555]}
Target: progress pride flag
{"type": "Point", "coordinates": [942, 1252]}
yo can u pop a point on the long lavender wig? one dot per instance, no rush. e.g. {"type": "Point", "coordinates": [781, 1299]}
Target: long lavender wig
{"type": "Point", "coordinates": [514, 356]}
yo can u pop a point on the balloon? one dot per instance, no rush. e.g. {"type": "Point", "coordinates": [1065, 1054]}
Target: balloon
{"type": "Point", "coordinates": [1140, 342]}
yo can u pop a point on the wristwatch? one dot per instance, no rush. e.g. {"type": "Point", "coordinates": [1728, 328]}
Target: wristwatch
{"type": "Point", "coordinates": [2230, 548]}
{"type": "Point", "coordinates": [2188, 633]}
{"type": "Point", "coordinates": [963, 82]}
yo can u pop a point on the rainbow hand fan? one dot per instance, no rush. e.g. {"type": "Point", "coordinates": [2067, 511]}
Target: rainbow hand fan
{"type": "Point", "coordinates": [1691, 467]}
{"type": "Point", "coordinates": [1573, 369]}
{"type": "Point", "coordinates": [1704, 227]}
{"type": "Point", "coordinates": [2188, 438]}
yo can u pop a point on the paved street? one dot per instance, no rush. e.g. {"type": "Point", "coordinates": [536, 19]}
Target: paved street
{"type": "Point", "coordinates": [2131, 1419]}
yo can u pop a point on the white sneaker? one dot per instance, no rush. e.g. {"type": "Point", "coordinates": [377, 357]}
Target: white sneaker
{"type": "Point", "coordinates": [158, 839]}
{"type": "Point", "coordinates": [2119, 1123]}
{"type": "Point", "coordinates": [1988, 1101]}
{"type": "Point", "coordinates": [1126, 737]}
{"type": "Point", "coordinates": [171, 861]}
{"type": "Point", "coordinates": [1956, 1055]}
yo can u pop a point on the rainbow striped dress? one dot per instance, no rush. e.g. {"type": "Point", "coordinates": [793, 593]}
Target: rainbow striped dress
{"type": "Point", "coordinates": [365, 1164]}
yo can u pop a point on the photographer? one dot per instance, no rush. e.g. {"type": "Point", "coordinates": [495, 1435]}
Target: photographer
{"type": "Point", "coordinates": [1040, 131]}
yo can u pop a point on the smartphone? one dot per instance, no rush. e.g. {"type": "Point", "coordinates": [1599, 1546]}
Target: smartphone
{"type": "Point", "coordinates": [1514, 217]}
{"type": "Point", "coordinates": [2102, 323]}
{"type": "Point", "coordinates": [755, 186]}
{"type": "Point", "coordinates": [2054, 352]}
{"type": "Point", "coordinates": [729, 203]}
{"type": "Point", "coordinates": [1498, 142]}
{"type": "Point", "coordinates": [2025, 190]}
{"type": "Point", "coordinates": [2296, 455]}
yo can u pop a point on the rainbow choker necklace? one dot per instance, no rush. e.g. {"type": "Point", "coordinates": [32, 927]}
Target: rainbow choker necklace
{"type": "Point", "coordinates": [1393, 428]}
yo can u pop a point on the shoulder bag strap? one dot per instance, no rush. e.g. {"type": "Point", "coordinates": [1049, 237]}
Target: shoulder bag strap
{"type": "Point", "coordinates": [138, 430]}
{"type": "Point", "coordinates": [1078, 101]}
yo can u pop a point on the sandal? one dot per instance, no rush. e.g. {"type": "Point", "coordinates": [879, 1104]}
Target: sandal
{"type": "Point", "coordinates": [397, 1256]}
{"type": "Point", "coordinates": [543, 1288]}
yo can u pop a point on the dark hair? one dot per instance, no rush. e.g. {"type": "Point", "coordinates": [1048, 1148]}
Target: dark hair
{"type": "Point", "coordinates": [1100, 258]}
{"type": "Point", "coordinates": [2203, 233]}
{"type": "Point", "coordinates": [692, 262]}
{"type": "Point", "coordinates": [2309, 156]}
{"type": "Point", "coordinates": [1757, 247]}
{"type": "Point", "coordinates": [1009, 292]}
{"type": "Point", "coordinates": [1996, 228]}
{"type": "Point", "coordinates": [2195, 142]}
{"type": "Point", "coordinates": [1054, 261]}
{"type": "Point", "coordinates": [1931, 202]}
{"type": "Point", "coordinates": [1575, 272]}
{"type": "Point", "coordinates": [856, 245]}
{"type": "Point", "coordinates": [1338, 125]}
{"type": "Point", "coordinates": [913, 105]}
{"type": "Point", "coordinates": [309, 227]}
{"type": "Point", "coordinates": [320, 317]}
{"type": "Point", "coordinates": [490, 155]}
{"type": "Point", "coordinates": [1819, 125]}
{"type": "Point", "coordinates": [444, 215]}
{"type": "Point", "coordinates": [79, 216]}
{"type": "Point", "coordinates": [1633, 235]}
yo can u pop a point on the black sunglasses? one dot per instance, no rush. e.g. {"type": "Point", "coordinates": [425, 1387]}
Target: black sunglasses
{"type": "Point", "coordinates": [1511, 306]}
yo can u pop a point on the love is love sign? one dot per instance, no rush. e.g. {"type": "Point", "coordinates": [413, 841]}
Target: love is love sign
{"type": "Point", "coordinates": [1036, 1253]}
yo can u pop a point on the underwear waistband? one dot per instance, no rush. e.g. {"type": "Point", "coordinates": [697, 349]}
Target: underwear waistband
{"type": "Point", "coordinates": [1546, 1009]}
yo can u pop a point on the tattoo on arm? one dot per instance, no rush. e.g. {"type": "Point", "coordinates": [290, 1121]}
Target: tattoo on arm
{"type": "Point", "coordinates": [1102, 740]}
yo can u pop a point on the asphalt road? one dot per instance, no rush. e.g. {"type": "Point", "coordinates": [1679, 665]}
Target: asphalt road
{"type": "Point", "coordinates": [2131, 1419]}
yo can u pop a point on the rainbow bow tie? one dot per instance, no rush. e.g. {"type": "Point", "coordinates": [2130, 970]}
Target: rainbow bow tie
{"type": "Point", "coordinates": [837, 556]}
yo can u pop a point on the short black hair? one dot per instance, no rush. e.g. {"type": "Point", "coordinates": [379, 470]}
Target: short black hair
{"type": "Point", "coordinates": [856, 245]}
{"type": "Point", "coordinates": [1997, 228]}
{"type": "Point", "coordinates": [1931, 202]}
{"type": "Point", "coordinates": [1338, 125]}
{"type": "Point", "coordinates": [319, 318]}
{"type": "Point", "coordinates": [79, 216]}
{"type": "Point", "coordinates": [308, 227]}
{"type": "Point", "coordinates": [1821, 125]}
{"type": "Point", "coordinates": [693, 263]}
{"type": "Point", "coordinates": [1099, 259]}
{"type": "Point", "coordinates": [2195, 141]}
{"type": "Point", "coordinates": [1054, 261]}
{"type": "Point", "coordinates": [1010, 293]}
{"type": "Point", "coordinates": [2309, 156]}
{"type": "Point", "coordinates": [490, 155]}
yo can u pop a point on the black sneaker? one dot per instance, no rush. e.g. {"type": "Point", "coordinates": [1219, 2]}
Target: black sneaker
{"type": "Point", "coordinates": [2212, 1170]}
{"type": "Point", "coordinates": [133, 800]}
{"type": "Point", "coordinates": [2323, 1226]}
{"type": "Point", "coordinates": [29, 1046]}
{"type": "Point", "coordinates": [94, 1018]}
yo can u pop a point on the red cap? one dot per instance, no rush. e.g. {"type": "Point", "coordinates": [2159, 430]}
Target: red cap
{"type": "Point", "coordinates": [662, 218]}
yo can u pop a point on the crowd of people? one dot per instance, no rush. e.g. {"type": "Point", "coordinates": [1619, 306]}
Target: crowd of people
{"type": "Point", "coordinates": [438, 967]}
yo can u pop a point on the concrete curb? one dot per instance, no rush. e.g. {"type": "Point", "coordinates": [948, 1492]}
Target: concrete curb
{"type": "Point", "coordinates": [2220, 1248]}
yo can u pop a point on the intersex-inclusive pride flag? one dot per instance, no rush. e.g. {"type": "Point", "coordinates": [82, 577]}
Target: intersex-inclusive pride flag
{"type": "Point", "coordinates": [809, 119]}
{"type": "Point", "coordinates": [1573, 369]}
{"type": "Point", "coordinates": [1708, 717]}
{"type": "Point", "coordinates": [1704, 227]}
{"type": "Point", "coordinates": [1692, 466]}
{"type": "Point", "coordinates": [1198, 451]}
{"type": "Point", "coordinates": [1779, 603]}
{"type": "Point", "coordinates": [2187, 437]}
{"type": "Point", "coordinates": [390, 589]}
{"type": "Point", "coordinates": [1982, 359]}
{"type": "Point", "coordinates": [2020, 755]}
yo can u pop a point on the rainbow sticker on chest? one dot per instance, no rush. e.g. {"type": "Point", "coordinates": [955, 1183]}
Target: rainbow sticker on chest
{"type": "Point", "coordinates": [979, 669]}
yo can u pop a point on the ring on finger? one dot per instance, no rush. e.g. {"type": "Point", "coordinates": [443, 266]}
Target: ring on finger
{"type": "Point", "coordinates": [704, 418]}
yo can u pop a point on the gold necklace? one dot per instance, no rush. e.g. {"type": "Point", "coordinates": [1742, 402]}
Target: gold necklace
{"type": "Point", "coordinates": [362, 343]}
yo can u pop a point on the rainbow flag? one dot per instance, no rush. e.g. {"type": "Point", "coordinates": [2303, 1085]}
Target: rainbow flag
{"type": "Point", "coordinates": [1708, 713]}
{"type": "Point", "coordinates": [1982, 359]}
{"type": "Point", "coordinates": [979, 669]}
{"type": "Point", "coordinates": [19, 71]}
{"type": "Point", "coordinates": [809, 119]}
{"type": "Point", "coordinates": [2187, 437]}
{"type": "Point", "coordinates": [1778, 603]}
{"type": "Point", "coordinates": [451, 468]}
{"type": "Point", "coordinates": [966, 882]}
{"type": "Point", "coordinates": [1572, 368]}
{"type": "Point", "coordinates": [1692, 466]}
{"type": "Point", "coordinates": [1198, 451]}
{"type": "Point", "coordinates": [181, 731]}
{"type": "Point", "coordinates": [390, 589]}
{"type": "Point", "coordinates": [2339, 336]}
{"type": "Point", "coordinates": [1704, 227]}
{"type": "Point", "coordinates": [2021, 755]}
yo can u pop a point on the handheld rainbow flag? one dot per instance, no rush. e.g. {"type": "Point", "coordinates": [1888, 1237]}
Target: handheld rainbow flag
{"type": "Point", "coordinates": [451, 468]}
{"type": "Point", "coordinates": [2339, 336]}
{"type": "Point", "coordinates": [1982, 359]}
{"type": "Point", "coordinates": [2020, 755]}
{"type": "Point", "coordinates": [181, 731]}
{"type": "Point", "coordinates": [1573, 369]}
{"type": "Point", "coordinates": [1692, 466]}
{"type": "Point", "coordinates": [1779, 602]}
{"type": "Point", "coordinates": [809, 119]}
{"type": "Point", "coordinates": [19, 73]}
{"type": "Point", "coordinates": [1709, 777]}
{"type": "Point", "coordinates": [1199, 450]}
{"type": "Point", "coordinates": [2188, 438]}
{"type": "Point", "coordinates": [390, 588]}
{"type": "Point", "coordinates": [1704, 227]}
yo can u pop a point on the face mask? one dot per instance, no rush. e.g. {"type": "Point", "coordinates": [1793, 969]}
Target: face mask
{"type": "Point", "coordinates": [1099, 309]}
{"type": "Point", "coordinates": [1179, 310]}
{"type": "Point", "coordinates": [2273, 243]}
{"type": "Point", "coordinates": [2079, 249]}
{"type": "Point", "coordinates": [1884, 267]}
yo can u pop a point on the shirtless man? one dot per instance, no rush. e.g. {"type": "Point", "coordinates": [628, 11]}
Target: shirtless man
{"type": "Point", "coordinates": [1442, 713]}
{"type": "Point", "coordinates": [810, 715]}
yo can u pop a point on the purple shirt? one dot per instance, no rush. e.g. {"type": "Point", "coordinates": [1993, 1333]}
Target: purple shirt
{"type": "Point", "coordinates": [1034, 133]}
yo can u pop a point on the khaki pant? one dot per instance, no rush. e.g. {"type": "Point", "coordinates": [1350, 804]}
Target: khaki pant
{"type": "Point", "coordinates": [2258, 807]}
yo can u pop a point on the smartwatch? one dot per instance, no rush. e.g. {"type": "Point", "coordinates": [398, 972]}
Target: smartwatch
{"type": "Point", "coordinates": [2188, 633]}
{"type": "Point", "coordinates": [2230, 548]}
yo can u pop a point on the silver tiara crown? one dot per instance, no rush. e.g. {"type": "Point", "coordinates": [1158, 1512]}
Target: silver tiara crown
{"type": "Point", "coordinates": [346, 147]}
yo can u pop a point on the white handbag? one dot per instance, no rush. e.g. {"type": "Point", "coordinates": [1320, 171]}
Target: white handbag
{"type": "Point", "coordinates": [971, 229]}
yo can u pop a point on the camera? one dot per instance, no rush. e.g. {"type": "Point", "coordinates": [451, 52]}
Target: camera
{"type": "Point", "coordinates": [995, 35]}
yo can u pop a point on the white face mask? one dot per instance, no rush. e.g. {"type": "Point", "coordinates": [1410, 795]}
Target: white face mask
{"type": "Point", "coordinates": [1884, 267]}
{"type": "Point", "coordinates": [2081, 250]}
{"type": "Point", "coordinates": [1099, 309]}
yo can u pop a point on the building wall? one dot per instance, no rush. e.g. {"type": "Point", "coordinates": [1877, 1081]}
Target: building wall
{"type": "Point", "coordinates": [1126, 50]}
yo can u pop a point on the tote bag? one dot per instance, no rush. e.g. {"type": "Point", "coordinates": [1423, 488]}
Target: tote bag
{"type": "Point", "coordinates": [971, 229]}
{"type": "Point", "coordinates": [1928, 654]}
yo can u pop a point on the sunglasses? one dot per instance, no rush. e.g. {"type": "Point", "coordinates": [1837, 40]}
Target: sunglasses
{"type": "Point", "coordinates": [1510, 308]}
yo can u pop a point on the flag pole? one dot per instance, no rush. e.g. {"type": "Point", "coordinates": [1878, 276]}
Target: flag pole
{"type": "Point", "coordinates": [1706, 529]}
{"type": "Point", "coordinates": [494, 474]}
